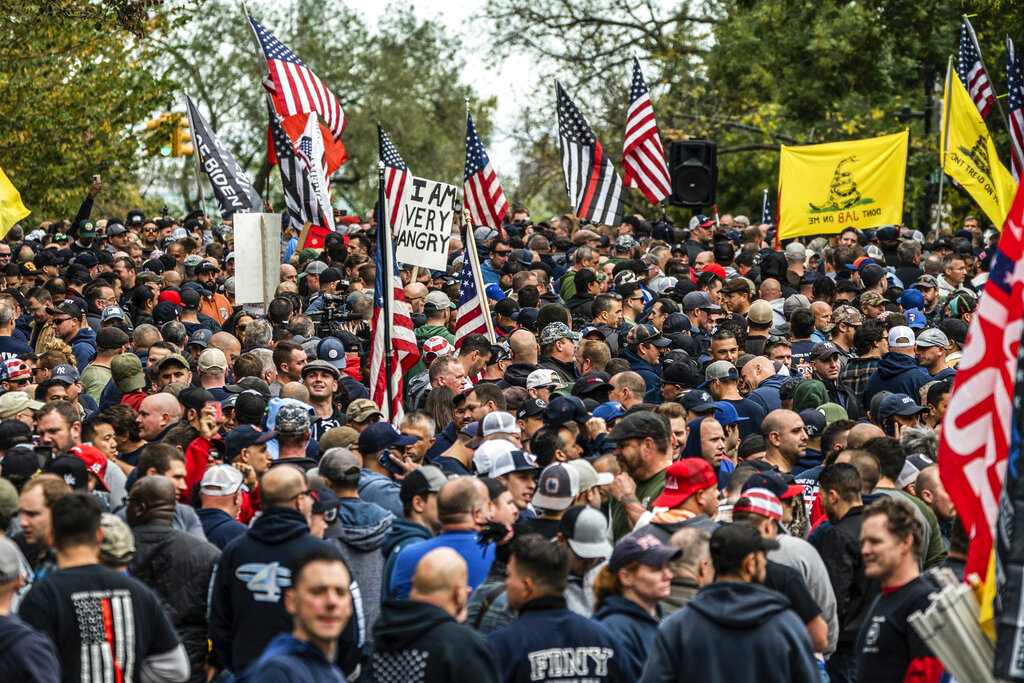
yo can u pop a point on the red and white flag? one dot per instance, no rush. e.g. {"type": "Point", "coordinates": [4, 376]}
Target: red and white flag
{"type": "Point", "coordinates": [472, 314]}
{"type": "Point", "coordinates": [481, 189]}
{"type": "Point", "coordinates": [643, 157]}
{"type": "Point", "coordinates": [971, 70]}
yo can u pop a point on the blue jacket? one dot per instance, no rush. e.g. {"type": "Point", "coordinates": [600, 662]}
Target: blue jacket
{"type": "Point", "coordinates": [287, 659]}
{"type": "Point", "coordinates": [83, 346]}
{"type": "Point", "coordinates": [652, 378]}
{"type": "Point", "coordinates": [247, 588]}
{"type": "Point", "coordinates": [466, 543]}
{"type": "Point", "coordinates": [726, 632]}
{"type": "Point", "coordinates": [443, 442]}
{"type": "Point", "coordinates": [402, 533]}
{"type": "Point", "coordinates": [767, 393]}
{"type": "Point", "coordinates": [25, 653]}
{"type": "Point", "coordinates": [547, 635]}
{"type": "Point", "coordinates": [490, 275]}
{"type": "Point", "coordinates": [376, 488]}
{"type": "Point", "coordinates": [359, 533]}
{"type": "Point", "coordinates": [633, 627]}
{"type": "Point", "coordinates": [898, 373]}
{"type": "Point", "coordinates": [219, 527]}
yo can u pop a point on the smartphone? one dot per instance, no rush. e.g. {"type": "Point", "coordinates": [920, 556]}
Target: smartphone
{"type": "Point", "coordinates": [217, 410]}
{"type": "Point", "coordinates": [96, 178]}
{"type": "Point", "coordinates": [388, 464]}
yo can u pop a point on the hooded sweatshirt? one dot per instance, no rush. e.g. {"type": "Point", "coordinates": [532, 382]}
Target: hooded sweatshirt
{"type": "Point", "coordinates": [516, 374]}
{"type": "Point", "coordinates": [416, 641]}
{"type": "Point", "coordinates": [729, 631]}
{"type": "Point", "coordinates": [290, 660]}
{"type": "Point", "coordinates": [83, 346]}
{"type": "Point", "coordinates": [358, 535]}
{"type": "Point", "coordinates": [402, 533]}
{"type": "Point", "coordinates": [25, 653]}
{"type": "Point", "coordinates": [767, 393]}
{"type": "Point", "coordinates": [898, 373]}
{"type": "Point", "coordinates": [694, 449]}
{"type": "Point", "coordinates": [633, 626]}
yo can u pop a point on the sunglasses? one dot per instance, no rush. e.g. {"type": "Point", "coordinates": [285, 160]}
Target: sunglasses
{"type": "Point", "coordinates": [503, 253]}
{"type": "Point", "coordinates": [60, 321]}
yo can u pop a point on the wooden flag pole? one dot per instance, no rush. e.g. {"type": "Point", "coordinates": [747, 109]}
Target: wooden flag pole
{"type": "Point", "coordinates": [474, 262]}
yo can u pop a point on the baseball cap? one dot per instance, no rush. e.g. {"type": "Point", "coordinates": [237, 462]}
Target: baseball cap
{"type": "Point", "coordinates": [930, 337]}
{"type": "Point", "coordinates": [426, 479]}
{"type": "Point", "coordinates": [699, 300]}
{"type": "Point", "coordinates": [833, 412]}
{"type": "Point", "coordinates": [760, 312]}
{"type": "Point", "coordinates": [675, 323]}
{"type": "Point", "coordinates": [955, 330]}
{"type": "Point", "coordinates": [380, 435]}
{"type": "Point", "coordinates": [213, 362]}
{"type": "Point", "coordinates": [645, 549]}
{"type": "Point", "coordinates": [244, 436]}
{"type": "Point", "coordinates": [609, 411]}
{"type": "Point", "coordinates": [118, 546]}
{"type": "Point", "coordinates": [625, 243]}
{"type": "Point", "coordinates": [871, 275]}
{"type": "Point", "coordinates": [725, 414]}
{"type": "Point", "coordinates": [292, 418]}
{"type": "Point", "coordinates": [795, 252]}
{"type": "Point", "coordinates": [486, 452]}
{"type": "Point", "coordinates": [200, 337]}
{"type": "Point", "coordinates": [195, 398]}
{"type": "Point", "coordinates": [912, 467]}
{"type": "Point", "coordinates": [331, 351]}
{"type": "Point", "coordinates": [916, 319]}
{"type": "Point", "coordinates": [814, 421]}
{"type": "Point", "coordinates": [591, 383]}
{"type": "Point", "coordinates": [697, 400]}
{"type": "Point", "coordinates": [206, 267]}
{"type": "Point", "coordinates": [313, 268]}
{"type": "Point", "coordinates": [961, 303]}
{"type": "Point", "coordinates": [557, 486]}
{"type": "Point", "coordinates": [646, 334]}
{"type": "Point", "coordinates": [340, 465]}
{"type": "Point", "coordinates": [361, 410]}
{"type": "Point", "coordinates": [112, 313]}
{"type": "Point", "coordinates": [899, 404]}
{"type": "Point", "coordinates": [732, 542]}
{"type": "Point", "coordinates": [494, 292]}
{"type": "Point", "coordinates": [566, 409]}
{"type": "Point", "coordinates": [794, 302]}
{"type": "Point", "coordinates": [824, 350]}
{"type": "Point", "coordinates": [701, 221]}
{"type": "Point", "coordinates": [872, 299]}
{"type": "Point", "coordinates": [512, 461]}
{"type": "Point", "coordinates": [437, 301]}
{"type": "Point", "coordinates": [585, 529]}
{"type": "Point", "coordinates": [13, 402]}
{"type": "Point", "coordinates": [438, 346]}
{"type": "Point", "coordinates": [127, 373]}
{"type": "Point", "coordinates": [171, 358]}
{"type": "Point", "coordinates": [498, 422]}
{"type": "Point", "coordinates": [901, 337]}
{"type": "Point", "coordinates": [542, 378]}
{"type": "Point", "coordinates": [683, 371]}
{"type": "Point", "coordinates": [531, 408]}
{"type": "Point", "coordinates": [221, 480]}
{"type": "Point", "coordinates": [760, 502]}
{"type": "Point", "coordinates": [683, 478]}
{"type": "Point", "coordinates": [639, 426]}
{"type": "Point", "coordinates": [911, 298]}
{"type": "Point", "coordinates": [926, 282]}
{"type": "Point", "coordinates": [590, 477]}
{"type": "Point", "coordinates": [720, 369]}
{"type": "Point", "coordinates": [845, 314]}
{"type": "Point", "coordinates": [774, 482]}
{"type": "Point", "coordinates": [552, 332]}
{"type": "Point", "coordinates": [71, 469]}
{"type": "Point", "coordinates": [95, 462]}
{"type": "Point", "coordinates": [67, 374]}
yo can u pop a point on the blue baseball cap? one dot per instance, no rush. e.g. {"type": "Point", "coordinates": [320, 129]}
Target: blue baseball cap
{"type": "Point", "coordinates": [814, 421]}
{"type": "Point", "coordinates": [494, 292]}
{"type": "Point", "coordinates": [112, 313]}
{"type": "Point", "coordinates": [381, 435]}
{"type": "Point", "coordinates": [609, 411]}
{"type": "Point", "coordinates": [566, 409]}
{"type": "Point", "coordinates": [244, 436]}
{"type": "Point", "coordinates": [725, 413]}
{"type": "Point", "coordinates": [912, 298]}
{"type": "Point", "coordinates": [697, 400]}
{"type": "Point", "coordinates": [332, 350]}
{"type": "Point", "coordinates": [201, 337]}
{"type": "Point", "coordinates": [916, 319]}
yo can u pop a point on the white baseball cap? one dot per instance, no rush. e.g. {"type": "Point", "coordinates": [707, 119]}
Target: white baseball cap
{"type": "Point", "coordinates": [901, 337]}
{"type": "Point", "coordinates": [222, 480]}
{"type": "Point", "coordinates": [488, 452]}
{"type": "Point", "coordinates": [541, 378]}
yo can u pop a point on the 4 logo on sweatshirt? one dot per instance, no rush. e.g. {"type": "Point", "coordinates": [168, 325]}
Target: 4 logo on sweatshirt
{"type": "Point", "coordinates": [265, 581]}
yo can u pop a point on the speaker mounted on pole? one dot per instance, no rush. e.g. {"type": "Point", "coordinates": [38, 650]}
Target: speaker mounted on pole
{"type": "Point", "coordinates": [693, 165]}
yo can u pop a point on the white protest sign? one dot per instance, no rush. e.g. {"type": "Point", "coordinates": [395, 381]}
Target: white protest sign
{"type": "Point", "coordinates": [257, 256]}
{"type": "Point", "coordinates": [427, 219]}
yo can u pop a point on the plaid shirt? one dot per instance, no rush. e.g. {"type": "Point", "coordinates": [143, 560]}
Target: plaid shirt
{"type": "Point", "coordinates": [856, 374]}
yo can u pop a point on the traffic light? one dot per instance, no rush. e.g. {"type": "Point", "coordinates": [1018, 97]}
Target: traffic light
{"type": "Point", "coordinates": [170, 136]}
{"type": "Point", "coordinates": [179, 139]}
{"type": "Point", "coordinates": [160, 139]}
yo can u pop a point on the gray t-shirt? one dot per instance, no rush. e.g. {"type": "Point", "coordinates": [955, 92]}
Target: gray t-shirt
{"type": "Point", "coordinates": [801, 556]}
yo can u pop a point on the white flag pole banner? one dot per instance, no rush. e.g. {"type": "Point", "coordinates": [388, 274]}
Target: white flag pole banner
{"type": "Point", "coordinates": [257, 257]}
{"type": "Point", "coordinates": [426, 226]}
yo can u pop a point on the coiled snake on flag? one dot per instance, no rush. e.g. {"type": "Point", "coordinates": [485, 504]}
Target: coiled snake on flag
{"type": "Point", "coordinates": [843, 191]}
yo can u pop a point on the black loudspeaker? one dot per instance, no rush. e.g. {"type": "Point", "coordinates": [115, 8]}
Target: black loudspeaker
{"type": "Point", "coordinates": [694, 168]}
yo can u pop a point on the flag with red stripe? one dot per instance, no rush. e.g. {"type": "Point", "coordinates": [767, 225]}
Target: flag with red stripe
{"type": "Point", "coordinates": [972, 72]}
{"type": "Point", "coordinates": [397, 180]}
{"type": "Point", "coordinates": [1015, 100]}
{"type": "Point", "coordinates": [643, 157]}
{"type": "Point", "coordinates": [481, 189]}
{"type": "Point", "coordinates": [294, 86]}
{"type": "Point", "coordinates": [593, 185]}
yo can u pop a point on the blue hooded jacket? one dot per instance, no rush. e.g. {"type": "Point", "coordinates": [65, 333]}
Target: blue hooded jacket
{"type": "Point", "coordinates": [83, 346]}
{"type": "Point", "coordinates": [359, 533]}
{"type": "Point", "coordinates": [694, 449]}
{"type": "Point", "coordinates": [767, 393]}
{"type": "Point", "coordinates": [652, 378]}
{"type": "Point", "coordinates": [898, 373]}
{"type": "Point", "coordinates": [220, 528]}
{"type": "Point", "coordinates": [402, 533]}
{"type": "Point", "coordinates": [728, 631]}
{"type": "Point", "coordinates": [633, 626]}
{"type": "Point", "coordinates": [287, 659]}
{"type": "Point", "coordinates": [376, 488]}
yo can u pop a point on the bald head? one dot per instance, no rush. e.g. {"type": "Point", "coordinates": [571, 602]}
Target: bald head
{"type": "Point", "coordinates": [757, 370]}
{"type": "Point", "coordinates": [228, 344]}
{"type": "Point", "coordinates": [861, 433]}
{"type": "Point", "coordinates": [459, 498]}
{"type": "Point", "coordinates": [162, 403]}
{"type": "Point", "coordinates": [770, 289]}
{"type": "Point", "coordinates": [281, 485]}
{"type": "Point", "coordinates": [523, 345]}
{"type": "Point", "coordinates": [295, 390]}
{"type": "Point", "coordinates": [151, 501]}
{"type": "Point", "coordinates": [439, 571]}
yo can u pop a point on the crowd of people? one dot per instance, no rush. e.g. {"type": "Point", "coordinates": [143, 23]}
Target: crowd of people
{"type": "Point", "coordinates": [689, 453]}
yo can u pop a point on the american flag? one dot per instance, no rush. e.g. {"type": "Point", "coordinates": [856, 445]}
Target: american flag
{"type": "Point", "coordinates": [643, 157]}
{"type": "Point", "coordinates": [295, 88]}
{"type": "Point", "coordinates": [294, 177]}
{"type": "Point", "coordinates": [976, 427]}
{"type": "Point", "coordinates": [394, 350]}
{"type": "Point", "coordinates": [766, 210]}
{"type": "Point", "coordinates": [972, 72]}
{"type": "Point", "coordinates": [482, 191]}
{"type": "Point", "coordinates": [594, 187]}
{"type": "Point", "coordinates": [1015, 100]}
{"type": "Point", "coordinates": [311, 151]}
{"type": "Point", "coordinates": [472, 312]}
{"type": "Point", "coordinates": [396, 180]}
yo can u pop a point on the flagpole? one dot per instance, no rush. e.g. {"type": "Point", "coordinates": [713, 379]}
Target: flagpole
{"type": "Point", "coordinates": [474, 263]}
{"type": "Point", "coordinates": [387, 277]}
{"type": "Point", "coordinates": [196, 161]}
{"type": "Point", "coordinates": [943, 144]}
{"type": "Point", "coordinates": [992, 84]}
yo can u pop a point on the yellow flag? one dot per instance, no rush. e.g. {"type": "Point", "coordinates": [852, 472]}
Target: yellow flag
{"type": "Point", "coordinates": [828, 188]}
{"type": "Point", "coordinates": [969, 155]}
{"type": "Point", "coordinates": [11, 208]}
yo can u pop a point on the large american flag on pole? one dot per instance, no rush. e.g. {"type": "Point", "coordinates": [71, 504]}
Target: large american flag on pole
{"type": "Point", "coordinates": [976, 427]}
{"type": "Point", "coordinates": [972, 72]}
{"type": "Point", "coordinates": [394, 350]}
{"type": "Point", "coordinates": [594, 186]}
{"type": "Point", "coordinates": [1015, 100]}
{"type": "Point", "coordinates": [397, 180]}
{"type": "Point", "coordinates": [481, 189]}
{"type": "Point", "coordinates": [294, 87]}
{"type": "Point", "coordinates": [472, 313]}
{"type": "Point", "coordinates": [643, 157]}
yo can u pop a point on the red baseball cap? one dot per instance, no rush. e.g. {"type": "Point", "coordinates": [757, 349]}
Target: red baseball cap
{"type": "Point", "coordinates": [684, 478]}
{"type": "Point", "coordinates": [94, 461]}
{"type": "Point", "coordinates": [716, 269]}
{"type": "Point", "coordinates": [170, 295]}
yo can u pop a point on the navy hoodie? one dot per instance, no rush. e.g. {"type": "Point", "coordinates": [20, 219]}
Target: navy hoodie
{"type": "Point", "coordinates": [83, 345]}
{"type": "Point", "coordinates": [247, 589]}
{"type": "Point", "coordinates": [729, 631]}
{"type": "Point", "coordinates": [633, 626]}
{"type": "Point", "coordinates": [650, 374]}
{"type": "Point", "coordinates": [898, 373]}
{"type": "Point", "coordinates": [539, 645]}
{"type": "Point", "coordinates": [219, 527]}
{"type": "Point", "coordinates": [766, 394]}
{"type": "Point", "coordinates": [287, 659]}
{"type": "Point", "coordinates": [25, 653]}
{"type": "Point", "coordinates": [402, 533]}
{"type": "Point", "coordinates": [694, 449]}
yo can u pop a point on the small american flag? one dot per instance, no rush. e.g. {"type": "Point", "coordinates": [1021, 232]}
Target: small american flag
{"type": "Point", "coordinates": [295, 88]}
{"type": "Point", "coordinates": [643, 157]}
{"type": "Point", "coordinates": [294, 176]}
{"type": "Point", "coordinates": [766, 210]}
{"type": "Point", "coordinates": [471, 314]}
{"type": "Point", "coordinates": [394, 350]}
{"type": "Point", "coordinates": [972, 72]}
{"type": "Point", "coordinates": [396, 180]}
{"type": "Point", "coordinates": [1016, 102]}
{"type": "Point", "coordinates": [482, 191]}
{"type": "Point", "coordinates": [594, 187]}
{"type": "Point", "coordinates": [311, 151]}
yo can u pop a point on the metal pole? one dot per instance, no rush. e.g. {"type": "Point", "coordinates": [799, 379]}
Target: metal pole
{"type": "Point", "coordinates": [944, 142]}
{"type": "Point", "coordinates": [196, 159]}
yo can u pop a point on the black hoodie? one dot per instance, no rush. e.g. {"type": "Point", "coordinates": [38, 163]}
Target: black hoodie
{"type": "Point", "coordinates": [418, 641]}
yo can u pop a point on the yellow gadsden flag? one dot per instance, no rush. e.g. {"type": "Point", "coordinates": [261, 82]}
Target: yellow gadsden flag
{"type": "Point", "coordinates": [827, 188]}
{"type": "Point", "coordinates": [969, 155]}
{"type": "Point", "coordinates": [11, 208]}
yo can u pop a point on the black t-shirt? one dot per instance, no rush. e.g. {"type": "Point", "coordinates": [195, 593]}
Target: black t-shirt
{"type": "Point", "coordinates": [790, 583]}
{"type": "Point", "coordinates": [886, 643]}
{"type": "Point", "coordinates": [101, 621]}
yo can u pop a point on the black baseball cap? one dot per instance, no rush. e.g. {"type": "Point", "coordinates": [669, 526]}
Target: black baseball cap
{"type": "Point", "coordinates": [531, 408]}
{"type": "Point", "coordinates": [732, 542]}
{"type": "Point", "coordinates": [639, 426]}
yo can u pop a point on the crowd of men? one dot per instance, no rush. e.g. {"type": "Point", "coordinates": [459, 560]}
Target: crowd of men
{"type": "Point", "coordinates": [688, 454]}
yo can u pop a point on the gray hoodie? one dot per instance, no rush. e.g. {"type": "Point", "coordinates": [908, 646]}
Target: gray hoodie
{"type": "Point", "coordinates": [358, 534]}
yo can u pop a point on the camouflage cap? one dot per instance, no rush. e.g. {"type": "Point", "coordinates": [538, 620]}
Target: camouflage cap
{"type": "Point", "coordinates": [872, 299]}
{"type": "Point", "coordinates": [845, 314]}
{"type": "Point", "coordinates": [145, 276]}
{"type": "Point", "coordinates": [292, 419]}
{"type": "Point", "coordinates": [552, 332]}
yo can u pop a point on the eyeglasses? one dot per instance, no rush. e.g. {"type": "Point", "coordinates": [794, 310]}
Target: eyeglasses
{"type": "Point", "coordinates": [307, 492]}
{"type": "Point", "coordinates": [18, 382]}
{"type": "Point", "coordinates": [60, 321]}
{"type": "Point", "coordinates": [502, 253]}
